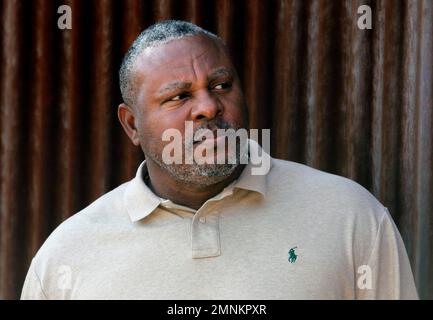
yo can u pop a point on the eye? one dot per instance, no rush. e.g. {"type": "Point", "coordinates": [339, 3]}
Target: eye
{"type": "Point", "coordinates": [179, 97]}
{"type": "Point", "coordinates": [223, 85]}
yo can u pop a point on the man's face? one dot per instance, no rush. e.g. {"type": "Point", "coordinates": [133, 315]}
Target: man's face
{"type": "Point", "coordinates": [191, 79]}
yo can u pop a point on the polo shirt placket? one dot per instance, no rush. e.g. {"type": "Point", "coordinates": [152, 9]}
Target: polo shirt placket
{"type": "Point", "coordinates": [204, 225]}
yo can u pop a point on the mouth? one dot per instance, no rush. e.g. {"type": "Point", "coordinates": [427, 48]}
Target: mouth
{"type": "Point", "coordinates": [210, 141]}
{"type": "Point", "coordinates": [207, 140]}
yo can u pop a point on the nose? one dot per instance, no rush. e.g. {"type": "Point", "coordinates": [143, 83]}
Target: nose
{"type": "Point", "coordinates": [206, 107]}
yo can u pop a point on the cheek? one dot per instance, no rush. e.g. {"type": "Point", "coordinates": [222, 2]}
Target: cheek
{"type": "Point", "coordinates": [235, 110]}
{"type": "Point", "coordinates": [155, 125]}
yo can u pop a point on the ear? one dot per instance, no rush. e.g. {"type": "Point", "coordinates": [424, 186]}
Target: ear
{"type": "Point", "coordinates": [128, 119]}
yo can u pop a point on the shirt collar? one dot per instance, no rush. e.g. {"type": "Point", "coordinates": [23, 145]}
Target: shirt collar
{"type": "Point", "coordinates": [249, 181]}
{"type": "Point", "coordinates": [140, 201]}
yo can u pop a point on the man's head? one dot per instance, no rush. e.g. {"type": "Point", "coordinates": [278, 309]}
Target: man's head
{"type": "Point", "coordinates": [176, 72]}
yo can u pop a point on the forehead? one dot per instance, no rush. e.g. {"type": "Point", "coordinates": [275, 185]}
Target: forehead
{"type": "Point", "coordinates": [182, 59]}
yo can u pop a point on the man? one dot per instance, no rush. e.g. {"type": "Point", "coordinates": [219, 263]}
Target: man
{"type": "Point", "coordinates": [215, 230]}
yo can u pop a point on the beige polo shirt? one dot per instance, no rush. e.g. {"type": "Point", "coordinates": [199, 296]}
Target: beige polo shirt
{"type": "Point", "coordinates": [294, 233]}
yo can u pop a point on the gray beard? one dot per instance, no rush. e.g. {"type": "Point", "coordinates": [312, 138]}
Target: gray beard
{"type": "Point", "coordinates": [203, 174]}
{"type": "Point", "coordinates": [198, 174]}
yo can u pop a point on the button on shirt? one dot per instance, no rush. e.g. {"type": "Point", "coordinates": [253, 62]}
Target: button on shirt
{"type": "Point", "coordinates": [293, 233]}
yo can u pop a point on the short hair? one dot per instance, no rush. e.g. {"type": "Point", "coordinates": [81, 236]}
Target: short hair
{"type": "Point", "coordinates": [157, 34]}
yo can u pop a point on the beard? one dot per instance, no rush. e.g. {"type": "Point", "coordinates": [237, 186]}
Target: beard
{"type": "Point", "coordinates": [203, 174]}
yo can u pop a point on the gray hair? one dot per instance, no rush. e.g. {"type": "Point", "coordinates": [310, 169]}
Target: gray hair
{"type": "Point", "coordinates": [155, 35]}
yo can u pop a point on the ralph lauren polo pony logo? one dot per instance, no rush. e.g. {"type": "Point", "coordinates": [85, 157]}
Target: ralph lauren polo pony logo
{"type": "Point", "coordinates": [292, 255]}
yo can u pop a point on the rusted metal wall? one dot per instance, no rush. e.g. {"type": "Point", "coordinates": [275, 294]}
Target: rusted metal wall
{"type": "Point", "coordinates": [353, 102]}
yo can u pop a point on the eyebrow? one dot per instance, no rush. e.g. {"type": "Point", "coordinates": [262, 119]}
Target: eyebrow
{"type": "Point", "coordinates": [175, 85]}
{"type": "Point", "coordinates": [219, 72]}
{"type": "Point", "coordinates": [182, 85]}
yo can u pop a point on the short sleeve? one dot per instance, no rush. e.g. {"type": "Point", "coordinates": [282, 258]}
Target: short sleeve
{"type": "Point", "coordinates": [32, 289]}
{"type": "Point", "coordinates": [388, 268]}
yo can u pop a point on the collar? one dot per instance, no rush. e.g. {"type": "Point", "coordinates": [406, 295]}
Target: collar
{"type": "Point", "coordinates": [140, 201]}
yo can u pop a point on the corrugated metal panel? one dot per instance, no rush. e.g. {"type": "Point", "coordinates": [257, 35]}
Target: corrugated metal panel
{"type": "Point", "coordinates": [353, 102]}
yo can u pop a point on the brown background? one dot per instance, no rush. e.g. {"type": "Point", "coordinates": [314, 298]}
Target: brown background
{"type": "Point", "coordinates": [353, 102]}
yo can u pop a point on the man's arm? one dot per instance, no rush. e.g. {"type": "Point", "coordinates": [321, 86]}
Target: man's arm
{"type": "Point", "coordinates": [32, 289]}
{"type": "Point", "coordinates": [391, 274]}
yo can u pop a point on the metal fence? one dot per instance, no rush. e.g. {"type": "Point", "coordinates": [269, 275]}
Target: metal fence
{"type": "Point", "coordinates": [353, 102]}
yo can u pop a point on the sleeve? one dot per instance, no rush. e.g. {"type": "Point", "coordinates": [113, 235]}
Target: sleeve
{"type": "Point", "coordinates": [388, 273]}
{"type": "Point", "coordinates": [32, 289]}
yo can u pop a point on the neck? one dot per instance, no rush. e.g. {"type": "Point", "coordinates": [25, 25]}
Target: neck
{"type": "Point", "coordinates": [192, 196]}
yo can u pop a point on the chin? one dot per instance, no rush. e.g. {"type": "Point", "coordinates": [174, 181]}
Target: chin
{"type": "Point", "coordinates": [206, 175]}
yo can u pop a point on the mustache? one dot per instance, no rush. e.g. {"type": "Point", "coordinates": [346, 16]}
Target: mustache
{"type": "Point", "coordinates": [215, 124]}
{"type": "Point", "coordinates": [211, 125]}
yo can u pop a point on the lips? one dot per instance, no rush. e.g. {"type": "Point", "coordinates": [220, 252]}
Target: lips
{"type": "Point", "coordinates": [210, 143]}
{"type": "Point", "coordinates": [205, 139]}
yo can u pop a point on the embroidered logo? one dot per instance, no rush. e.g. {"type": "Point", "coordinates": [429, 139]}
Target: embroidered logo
{"type": "Point", "coordinates": [292, 255]}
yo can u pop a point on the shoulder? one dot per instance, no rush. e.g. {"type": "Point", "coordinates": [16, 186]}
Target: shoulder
{"type": "Point", "coordinates": [327, 195]}
{"type": "Point", "coordinates": [81, 229]}
{"type": "Point", "coordinates": [297, 178]}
